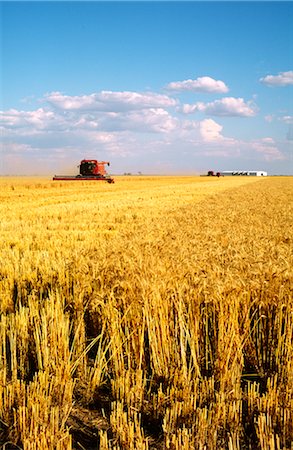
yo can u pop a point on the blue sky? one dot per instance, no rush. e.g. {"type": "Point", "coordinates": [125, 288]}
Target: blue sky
{"type": "Point", "coordinates": [153, 87]}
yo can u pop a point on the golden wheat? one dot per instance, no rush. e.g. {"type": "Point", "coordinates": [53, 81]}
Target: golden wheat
{"type": "Point", "coordinates": [155, 313]}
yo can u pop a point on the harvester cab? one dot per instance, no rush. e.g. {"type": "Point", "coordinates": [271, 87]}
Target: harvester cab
{"type": "Point", "coordinates": [86, 168]}
{"type": "Point", "coordinates": [92, 167]}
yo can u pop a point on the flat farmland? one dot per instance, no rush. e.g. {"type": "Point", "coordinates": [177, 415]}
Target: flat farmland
{"type": "Point", "coordinates": [153, 313]}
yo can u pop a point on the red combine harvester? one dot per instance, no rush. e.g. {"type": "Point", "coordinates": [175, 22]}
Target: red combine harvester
{"type": "Point", "coordinates": [211, 173]}
{"type": "Point", "coordinates": [89, 169]}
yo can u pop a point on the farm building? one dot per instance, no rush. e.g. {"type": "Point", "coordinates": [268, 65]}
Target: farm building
{"type": "Point", "coordinates": [255, 173]}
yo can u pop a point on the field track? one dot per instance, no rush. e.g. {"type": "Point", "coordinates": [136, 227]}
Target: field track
{"type": "Point", "coordinates": [153, 313]}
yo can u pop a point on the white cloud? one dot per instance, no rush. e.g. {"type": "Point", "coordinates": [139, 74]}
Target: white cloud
{"type": "Point", "coordinates": [82, 124]}
{"type": "Point", "coordinates": [31, 122]}
{"type": "Point", "coordinates": [109, 101]}
{"type": "Point", "coordinates": [38, 118]}
{"type": "Point", "coordinates": [126, 126]}
{"type": "Point", "coordinates": [268, 149]}
{"type": "Point", "coordinates": [201, 84]}
{"type": "Point", "coordinates": [287, 119]}
{"type": "Point", "coordinates": [282, 79]}
{"type": "Point", "coordinates": [154, 120]}
{"type": "Point", "coordinates": [210, 130]}
{"type": "Point", "coordinates": [228, 106]}
{"type": "Point", "coordinates": [188, 108]}
{"type": "Point", "coordinates": [104, 138]}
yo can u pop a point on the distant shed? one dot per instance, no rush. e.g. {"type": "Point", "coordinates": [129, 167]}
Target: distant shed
{"type": "Point", "coordinates": [252, 173]}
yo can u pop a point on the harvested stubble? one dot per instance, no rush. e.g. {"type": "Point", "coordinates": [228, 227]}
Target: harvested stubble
{"type": "Point", "coordinates": [155, 313]}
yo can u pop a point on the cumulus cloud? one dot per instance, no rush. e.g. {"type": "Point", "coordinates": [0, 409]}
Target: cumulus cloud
{"type": "Point", "coordinates": [201, 84]}
{"type": "Point", "coordinates": [268, 149]}
{"type": "Point", "coordinates": [18, 119]}
{"type": "Point", "coordinates": [125, 125]}
{"type": "Point", "coordinates": [228, 106]}
{"type": "Point", "coordinates": [109, 101]}
{"type": "Point", "coordinates": [210, 130]}
{"type": "Point", "coordinates": [282, 79]}
{"type": "Point", "coordinates": [152, 120]}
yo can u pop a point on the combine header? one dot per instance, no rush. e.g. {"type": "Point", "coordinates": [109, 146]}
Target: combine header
{"type": "Point", "coordinates": [89, 169]}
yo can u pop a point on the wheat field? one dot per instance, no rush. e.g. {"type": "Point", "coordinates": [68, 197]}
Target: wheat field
{"type": "Point", "coordinates": [155, 313]}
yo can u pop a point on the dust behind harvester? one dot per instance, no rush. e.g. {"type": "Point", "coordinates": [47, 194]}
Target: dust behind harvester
{"type": "Point", "coordinates": [89, 169]}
